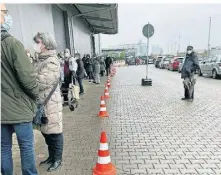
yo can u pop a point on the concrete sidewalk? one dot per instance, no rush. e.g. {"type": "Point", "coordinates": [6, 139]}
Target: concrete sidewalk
{"type": "Point", "coordinates": [81, 136]}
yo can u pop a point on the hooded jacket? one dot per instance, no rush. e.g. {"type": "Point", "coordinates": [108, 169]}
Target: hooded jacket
{"type": "Point", "coordinates": [19, 86]}
{"type": "Point", "coordinates": [48, 69]}
{"type": "Point", "coordinates": [190, 65]}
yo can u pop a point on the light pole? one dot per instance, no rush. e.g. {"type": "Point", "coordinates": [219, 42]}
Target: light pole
{"type": "Point", "coordinates": [208, 47]}
{"type": "Point", "coordinates": [178, 48]}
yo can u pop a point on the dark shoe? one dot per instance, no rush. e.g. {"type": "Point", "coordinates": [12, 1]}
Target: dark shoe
{"type": "Point", "coordinates": [54, 166]}
{"type": "Point", "coordinates": [47, 161]}
{"type": "Point", "coordinates": [184, 98]}
{"type": "Point", "coordinates": [81, 93]}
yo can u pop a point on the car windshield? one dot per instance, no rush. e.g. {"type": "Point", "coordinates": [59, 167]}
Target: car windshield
{"type": "Point", "coordinates": [180, 60]}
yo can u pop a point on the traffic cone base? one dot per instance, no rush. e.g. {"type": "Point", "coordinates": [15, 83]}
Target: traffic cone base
{"type": "Point", "coordinates": [111, 171]}
{"type": "Point", "coordinates": [104, 165]}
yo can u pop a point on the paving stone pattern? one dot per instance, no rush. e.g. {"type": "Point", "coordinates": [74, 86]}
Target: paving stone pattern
{"type": "Point", "coordinates": [150, 130]}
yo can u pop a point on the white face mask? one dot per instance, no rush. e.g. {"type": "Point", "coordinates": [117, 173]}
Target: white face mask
{"type": "Point", "coordinates": [189, 51]}
{"type": "Point", "coordinates": [66, 55]}
{"type": "Point", "coordinates": [37, 48]}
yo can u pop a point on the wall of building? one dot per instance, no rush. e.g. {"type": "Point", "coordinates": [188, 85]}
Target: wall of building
{"type": "Point", "coordinates": [28, 19]}
{"type": "Point", "coordinates": [32, 18]}
{"type": "Point", "coordinates": [79, 31]}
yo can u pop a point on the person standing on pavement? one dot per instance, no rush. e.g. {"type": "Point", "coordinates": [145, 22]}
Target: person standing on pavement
{"type": "Point", "coordinates": [190, 65]}
{"type": "Point", "coordinates": [102, 66]}
{"type": "Point", "coordinates": [90, 69]}
{"type": "Point", "coordinates": [85, 67]}
{"type": "Point", "coordinates": [80, 72]}
{"type": "Point", "coordinates": [108, 62]}
{"type": "Point", "coordinates": [72, 65]}
{"type": "Point", "coordinates": [19, 93]}
{"type": "Point", "coordinates": [48, 69]}
{"type": "Point", "coordinates": [97, 70]}
{"type": "Point", "coordinates": [67, 79]}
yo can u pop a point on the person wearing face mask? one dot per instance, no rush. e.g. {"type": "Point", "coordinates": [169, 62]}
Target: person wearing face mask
{"type": "Point", "coordinates": [19, 93]}
{"type": "Point", "coordinates": [72, 65]}
{"type": "Point", "coordinates": [28, 52]}
{"type": "Point", "coordinates": [80, 72]}
{"type": "Point", "coordinates": [48, 70]}
{"type": "Point", "coordinates": [190, 65]}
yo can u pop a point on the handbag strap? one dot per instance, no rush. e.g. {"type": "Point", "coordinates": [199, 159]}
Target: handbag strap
{"type": "Point", "coordinates": [50, 94]}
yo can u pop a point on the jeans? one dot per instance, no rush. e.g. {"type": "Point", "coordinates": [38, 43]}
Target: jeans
{"type": "Point", "coordinates": [55, 144]}
{"type": "Point", "coordinates": [80, 85]}
{"type": "Point", "coordinates": [24, 133]}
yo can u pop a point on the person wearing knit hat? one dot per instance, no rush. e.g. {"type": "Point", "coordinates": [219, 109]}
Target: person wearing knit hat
{"type": "Point", "coordinates": [191, 64]}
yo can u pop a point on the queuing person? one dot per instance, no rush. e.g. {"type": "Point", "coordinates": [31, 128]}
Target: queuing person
{"type": "Point", "coordinates": [67, 80]}
{"type": "Point", "coordinates": [48, 69]}
{"type": "Point", "coordinates": [102, 66]}
{"type": "Point", "coordinates": [85, 65]}
{"type": "Point", "coordinates": [190, 65]}
{"type": "Point", "coordinates": [19, 91]}
{"type": "Point", "coordinates": [72, 65]}
{"type": "Point", "coordinates": [28, 53]}
{"type": "Point", "coordinates": [90, 68]}
{"type": "Point", "coordinates": [108, 62]}
{"type": "Point", "coordinates": [80, 73]}
{"type": "Point", "coordinates": [97, 70]}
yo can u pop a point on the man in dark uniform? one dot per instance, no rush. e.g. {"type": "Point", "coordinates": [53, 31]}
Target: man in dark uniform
{"type": "Point", "coordinates": [191, 64]}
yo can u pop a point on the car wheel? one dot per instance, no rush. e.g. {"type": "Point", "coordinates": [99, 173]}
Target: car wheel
{"type": "Point", "coordinates": [214, 74]}
{"type": "Point", "coordinates": [200, 73]}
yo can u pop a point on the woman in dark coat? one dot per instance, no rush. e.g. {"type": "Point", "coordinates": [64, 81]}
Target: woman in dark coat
{"type": "Point", "coordinates": [90, 68]}
{"type": "Point", "coordinates": [80, 72]}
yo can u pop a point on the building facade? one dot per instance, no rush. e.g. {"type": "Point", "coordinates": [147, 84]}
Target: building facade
{"type": "Point", "coordinates": [67, 22]}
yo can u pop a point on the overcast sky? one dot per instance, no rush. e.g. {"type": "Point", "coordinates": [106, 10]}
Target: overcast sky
{"type": "Point", "coordinates": [189, 21]}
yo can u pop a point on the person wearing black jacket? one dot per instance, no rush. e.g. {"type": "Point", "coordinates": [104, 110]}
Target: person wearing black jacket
{"type": "Point", "coordinates": [80, 73]}
{"type": "Point", "coordinates": [190, 65]}
{"type": "Point", "coordinates": [108, 62]}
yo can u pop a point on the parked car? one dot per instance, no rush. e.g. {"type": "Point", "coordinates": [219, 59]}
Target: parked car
{"type": "Point", "coordinates": [150, 60]}
{"type": "Point", "coordinates": [164, 63]}
{"type": "Point", "coordinates": [174, 63]}
{"type": "Point", "coordinates": [158, 60]}
{"type": "Point", "coordinates": [211, 67]}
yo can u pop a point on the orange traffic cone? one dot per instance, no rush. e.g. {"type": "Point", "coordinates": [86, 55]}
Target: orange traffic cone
{"type": "Point", "coordinates": [106, 93]}
{"type": "Point", "coordinates": [103, 109]}
{"type": "Point", "coordinates": [108, 83]}
{"type": "Point", "coordinates": [104, 165]}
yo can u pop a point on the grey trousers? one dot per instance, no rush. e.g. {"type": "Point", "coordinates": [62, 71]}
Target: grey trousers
{"type": "Point", "coordinates": [97, 78]}
{"type": "Point", "coordinates": [189, 83]}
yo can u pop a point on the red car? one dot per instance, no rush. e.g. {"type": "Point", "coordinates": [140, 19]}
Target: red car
{"type": "Point", "coordinates": [174, 63]}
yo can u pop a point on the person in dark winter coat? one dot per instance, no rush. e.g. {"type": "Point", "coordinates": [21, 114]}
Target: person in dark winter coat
{"type": "Point", "coordinates": [19, 93]}
{"type": "Point", "coordinates": [80, 72]}
{"type": "Point", "coordinates": [90, 68]}
{"type": "Point", "coordinates": [108, 62]}
{"type": "Point", "coordinates": [85, 65]}
{"type": "Point", "coordinates": [190, 65]}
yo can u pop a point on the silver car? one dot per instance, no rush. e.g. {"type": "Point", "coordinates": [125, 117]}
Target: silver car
{"type": "Point", "coordinates": [211, 67]}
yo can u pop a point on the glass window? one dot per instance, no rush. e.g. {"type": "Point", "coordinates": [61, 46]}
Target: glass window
{"type": "Point", "coordinates": [214, 59]}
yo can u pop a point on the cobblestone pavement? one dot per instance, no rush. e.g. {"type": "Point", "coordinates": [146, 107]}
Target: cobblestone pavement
{"type": "Point", "coordinates": [150, 130]}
